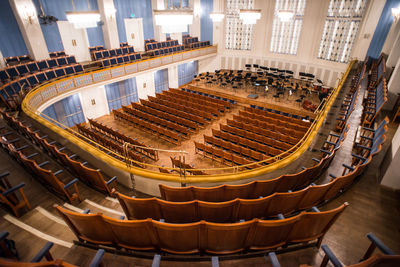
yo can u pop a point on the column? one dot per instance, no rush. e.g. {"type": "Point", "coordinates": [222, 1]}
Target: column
{"type": "Point", "coordinates": [94, 102]}
{"type": "Point", "coordinates": [158, 35]}
{"type": "Point", "coordinates": [110, 29]}
{"type": "Point", "coordinates": [194, 29]}
{"type": "Point", "coordinates": [391, 37]}
{"type": "Point", "coordinates": [394, 52]}
{"type": "Point", "coordinates": [176, 36]}
{"type": "Point", "coordinates": [393, 87]}
{"type": "Point", "coordinates": [218, 27]}
{"type": "Point", "coordinates": [173, 76]}
{"type": "Point", "coordinates": [25, 14]}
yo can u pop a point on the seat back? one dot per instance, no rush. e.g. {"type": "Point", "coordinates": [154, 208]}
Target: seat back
{"type": "Point", "coordinates": [176, 194]}
{"type": "Point", "coordinates": [178, 238]}
{"type": "Point", "coordinates": [95, 178]}
{"type": "Point", "coordinates": [88, 227]}
{"type": "Point", "coordinates": [136, 208]}
{"type": "Point", "coordinates": [224, 238]}
{"type": "Point", "coordinates": [285, 203]}
{"type": "Point", "coordinates": [211, 194]}
{"type": "Point", "coordinates": [264, 188]}
{"type": "Point", "coordinates": [221, 212]}
{"type": "Point", "coordinates": [313, 196]}
{"type": "Point", "coordinates": [276, 231]}
{"type": "Point", "coordinates": [238, 191]}
{"type": "Point", "coordinates": [249, 209]}
{"type": "Point", "coordinates": [179, 212]}
{"type": "Point", "coordinates": [137, 235]}
{"type": "Point", "coordinates": [314, 225]}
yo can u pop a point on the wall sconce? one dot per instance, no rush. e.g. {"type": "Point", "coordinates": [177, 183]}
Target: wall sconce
{"type": "Point", "coordinates": [27, 13]}
{"type": "Point", "coordinates": [110, 13]}
{"type": "Point", "coordinates": [93, 102]}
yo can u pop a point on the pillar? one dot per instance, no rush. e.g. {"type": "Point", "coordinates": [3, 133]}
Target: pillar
{"type": "Point", "coordinates": [94, 102]}
{"type": "Point", "coordinates": [391, 37]}
{"type": "Point", "coordinates": [194, 29]}
{"type": "Point", "coordinates": [394, 53]}
{"type": "Point", "coordinates": [393, 87]}
{"type": "Point", "coordinates": [110, 29]}
{"type": "Point", "coordinates": [391, 179]}
{"type": "Point", "coordinates": [158, 35]}
{"type": "Point", "coordinates": [28, 23]}
{"type": "Point", "coordinates": [173, 77]}
{"type": "Point", "coordinates": [218, 27]}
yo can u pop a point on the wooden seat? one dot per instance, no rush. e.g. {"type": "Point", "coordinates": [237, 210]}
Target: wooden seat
{"type": "Point", "coordinates": [314, 225]}
{"type": "Point", "coordinates": [285, 203]}
{"type": "Point", "coordinates": [88, 227]}
{"type": "Point", "coordinates": [139, 208]}
{"type": "Point", "coordinates": [314, 196]}
{"type": "Point", "coordinates": [176, 194]}
{"type": "Point", "coordinates": [221, 212]}
{"type": "Point", "coordinates": [178, 238]}
{"type": "Point", "coordinates": [9, 197]}
{"type": "Point", "coordinates": [249, 209]}
{"type": "Point", "coordinates": [179, 212]}
{"type": "Point", "coordinates": [210, 194]}
{"type": "Point", "coordinates": [226, 238]}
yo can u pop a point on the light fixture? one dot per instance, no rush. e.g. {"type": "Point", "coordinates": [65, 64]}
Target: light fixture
{"type": "Point", "coordinates": [175, 20]}
{"type": "Point", "coordinates": [250, 16]}
{"type": "Point", "coordinates": [28, 13]}
{"type": "Point", "coordinates": [285, 15]}
{"type": "Point", "coordinates": [110, 12]}
{"type": "Point", "coordinates": [83, 19]}
{"type": "Point", "coordinates": [217, 16]}
{"type": "Point", "coordinates": [396, 13]}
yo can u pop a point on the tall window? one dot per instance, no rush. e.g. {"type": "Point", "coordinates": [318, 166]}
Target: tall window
{"type": "Point", "coordinates": [237, 35]}
{"type": "Point", "coordinates": [286, 34]}
{"type": "Point", "coordinates": [340, 29]}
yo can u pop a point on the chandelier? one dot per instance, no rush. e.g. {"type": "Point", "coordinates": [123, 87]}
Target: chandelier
{"type": "Point", "coordinates": [217, 16]}
{"type": "Point", "coordinates": [285, 15]}
{"type": "Point", "coordinates": [83, 19]}
{"type": "Point", "coordinates": [174, 20]}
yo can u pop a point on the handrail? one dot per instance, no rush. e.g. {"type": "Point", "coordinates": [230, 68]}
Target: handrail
{"type": "Point", "coordinates": [278, 161]}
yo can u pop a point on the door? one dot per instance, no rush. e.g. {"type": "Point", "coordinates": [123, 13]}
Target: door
{"type": "Point", "coordinates": [75, 41]}
{"type": "Point", "coordinates": [134, 33]}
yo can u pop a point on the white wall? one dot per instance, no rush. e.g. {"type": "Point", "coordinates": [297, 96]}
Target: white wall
{"type": "Point", "coordinates": [392, 178]}
{"type": "Point", "coordinates": [173, 76]}
{"type": "Point", "coordinates": [110, 29]}
{"type": "Point", "coordinates": [134, 33]}
{"type": "Point", "coordinates": [94, 102]}
{"type": "Point", "coordinates": [145, 85]}
{"type": "Point", "coordinates": [75, 41]}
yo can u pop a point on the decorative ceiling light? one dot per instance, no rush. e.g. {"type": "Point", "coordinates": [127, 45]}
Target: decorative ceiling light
{"type": "Point", "coordinates": [396, 13]}
{"type": "Point", "coordinates": [175, 20]}
{"type": "Point", "coordinates": [83, 19]}
{"type": "Point", "coordinates": [250, 16]}
{"type": "Point", "coordinates": [285, 15]}
{"type": "Point", "coordinates": [217, 16]}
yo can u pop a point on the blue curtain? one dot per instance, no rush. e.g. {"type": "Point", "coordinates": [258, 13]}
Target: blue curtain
{"type": "Point", "coordinates": [131, 94]}
{"type": "Point", "coordinates": [186, 72]}
{"type": "Point", "coordinates": [67, 111]}
{"type": "Point", "coordinates": [57, 9]}
{"type": "Point", "coordinates": [134, 9]}
{"type": "Point", "coordinates": [206, 24]}
{"type": "Point", "coordinates": [161, 80]}
{"type": "Point", "coordinates": [382, 29]}
{"type": "Point", "coordinates": [11, 43]}
{"type": "Point", "coordinates": [113, 96]}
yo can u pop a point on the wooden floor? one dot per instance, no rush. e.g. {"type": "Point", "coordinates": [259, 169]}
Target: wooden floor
{"type": "Point", "coordinates": [372, 209]}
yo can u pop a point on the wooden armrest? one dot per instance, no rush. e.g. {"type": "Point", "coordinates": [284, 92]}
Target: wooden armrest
{"type": "Point", "coordinates": [58, 172]}
{"type": "Point", "coordinates": [4, 174]}
{"type": "Point", "coordinates": [325, 151]}
{"type": "Point", "coordinates": [32, 155]}
{"type": "Point", "coordinates": [379, 244]}
{"type": "Point", "coordinates": [96, 261]}
{"type": "Point", "coordinates": [22, 147]}
{"type": "Point", "coordinates": [111, 180]}
{"type": "Point", "coordinates": [348, 167]}
{"type": "Point", "coordinates": [316, 160]}
{"type": "Point", "coordinates": [329, 256]}
{"type": "Point", "coordinates": [43, 163]}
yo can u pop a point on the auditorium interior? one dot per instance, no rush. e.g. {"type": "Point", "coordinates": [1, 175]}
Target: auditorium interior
{"type": "Point", "coordinates": [200, 133]}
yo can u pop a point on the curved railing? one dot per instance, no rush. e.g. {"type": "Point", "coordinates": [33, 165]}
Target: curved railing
{"type": "Point", "coordinates": [43, 93]}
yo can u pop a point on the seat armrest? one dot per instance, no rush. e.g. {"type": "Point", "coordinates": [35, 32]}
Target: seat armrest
{"type": "Point", "coordinates": [303, 168]}
{"type": "Point", "coordinates": [364, 147]}
{"type": "Point", "coordinates": [58, 172]}
{"type": "Point", "coordinates": [315, 209]}
{"type": "Point", "coordinates": [43, 163]}
{"type": "Point", "coordinates": [329, 256]}
{"type": "Point", "coordinates": [32, 155]}
{"type": "Point", "coordinates": [368, 129]}
{"type": "Point", "coordinates": [61, 149]}
{"type": "Point", "coordinates": [329, 142]}
{"type": "Point", "coordinates": [366, 137]}
{"type": "Point", "coordinates": [22, 147]}
{"type": "Point", "coordinates": [335, 135]}
{"type": "Point", "coordinates": [86, 211]}
{"type": "Point", "coordinates": [214, 261]}
{"type": "Point", "coordinates": [96, 261]}
{"type": "Point", "coordinates": [325, 151]}
{"type": "Point", "coordinates": [379, 244]}
{"type": "Point", "coordinates": [333, 176]}
{"type": "Point", "coordinates": [45, 251]}
{"type": "Point", "coordinates": [71, 183]}
{"type": "Point", "coordinates": [3, 235]}
{"type": "Point", "coordinates": [316, 160]}
{"type": "Point", "coordinates": [111, 180]}
{"type": "Point", "coordinates": [4, 174]}
{"type": "Point", "coordinates": [156, 260]}
{"type": "Point", "coordinates": [273, 259]}
{"type": "Point", "coordinates": [72, 156]}
{"type": "Point", "coordinates": [13, 189]}
{"type": "Point", "coordinates": [280, 216]}
{"type": "Point", "coordinates": [122, 217]}
{"type": "Point", "coordinates": [348, 167]}
{"type": "Point", "coordinates": [358, 156]}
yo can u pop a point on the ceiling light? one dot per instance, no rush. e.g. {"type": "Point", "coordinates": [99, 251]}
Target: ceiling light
{"type": "Point", "coordinates": [250, 16]}
{"type": "Point", "coordinates": [217, 16]}
{"type": "Point", "coordinates": [83, 19]}
{"type": "Point", "coordinates": [396, 13]}
{"type": "Point", "coordinates": [285, 15]}
{"type": "Point", "coordinates": [173, 21]}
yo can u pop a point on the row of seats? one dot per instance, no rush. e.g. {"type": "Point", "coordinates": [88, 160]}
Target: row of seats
{"type": "Point", "coordinates": [166, 51]}
{"type": "Point", "coordinates": [153, 45]}
{"type": "Point", "coordinates": [207, 97]}
{"type": "Point", "coordinates": [259, 188]}
{"type": "Point", "coordinates": [12, 196]}
{"type": "Point", "coordinates": [198, 120]}
{"type": "Point", "coordinates": [284, 134]}
{"type": "Point", "coordinates": [56, 180]}
{"type": "Point", "coordinates": [161, 132]}
{"type": "Point", "coordinates": [378, 70]}
{"type": "Point", "coordinates": [201, 236]}
{"type": "Point", "coordinates": [214, 107]}
{"type": "Point", "coordinates": [157, 121]}
{"type": "Point", "coordinates": [376, 97]}
{"type": "Point", "coordinates": [129, 154]}
{"type": "Point", "coordinates": [13, 72]}
{"type": "Point", "coordinates": [108, 53]}
{"type": "Point", "coordinates": [189, 124]}
{"type": "Point", "coordinates": [122, 138]}
{"type": "Point", "coordinates": [96, 48]}
{"type": "Point", "coordinates": [283, 116]}
{"type": "Point", "coordinates": [17, 59]}
{"type": "Point", "coordinates": [187, 39]}
{"type": "Point", "coordinates": [202, 109]}
{"type": "Point", "coordinates": [81, 169]}
{"type": "Point", "coordinates": [198, 45]}
{"type": "Point", "coordinates": [121, 59]}
{"type": "Point", "coordinates": [184, 167]}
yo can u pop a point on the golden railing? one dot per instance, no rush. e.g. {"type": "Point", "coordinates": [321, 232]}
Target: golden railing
{"type": "Point", "coordinates": [223, 174]}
